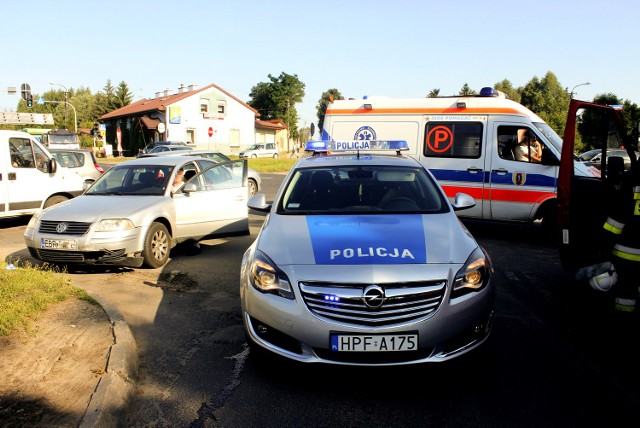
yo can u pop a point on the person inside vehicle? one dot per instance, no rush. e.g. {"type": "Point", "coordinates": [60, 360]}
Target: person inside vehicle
{"type": "Point", "coordinates": [529, 148]}
{"type": "Point", "coordinates": [178, 181]}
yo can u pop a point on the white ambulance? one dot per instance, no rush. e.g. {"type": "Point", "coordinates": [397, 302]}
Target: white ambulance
{"type": "Point", "coordinates": [30, 179]}
{"type": "Point", "coordinates": [487, 146]}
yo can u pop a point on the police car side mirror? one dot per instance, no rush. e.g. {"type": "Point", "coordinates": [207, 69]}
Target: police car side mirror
{"type": "Point", "coordinates": [259, 203]}
{"type": "Point", "coordinates": [463, 202]}
{"type": "Point", "coordinates": [189, 187]}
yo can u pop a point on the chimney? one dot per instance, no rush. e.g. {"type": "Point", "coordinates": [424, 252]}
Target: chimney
{"type": "Point", "coordinates": [182, 88]}
{"type": "Point", "coordinates": [193, 87]}
{"type": "Point", "coordinates": [158, 94]}
{"type": "Point", "coordinates": [167, 92]}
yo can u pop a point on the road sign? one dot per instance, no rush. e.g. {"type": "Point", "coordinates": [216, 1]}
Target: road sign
{"type": "Point", "coordinates": [41, 100]}
{"type": "Point", "coordinates": [210, 132]}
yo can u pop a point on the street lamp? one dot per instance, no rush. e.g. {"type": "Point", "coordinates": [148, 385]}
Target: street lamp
{"type": "Point", "coordinates": [65, 100]}
{"type": "Point", "coordinates": [574, 88]}
{"type": "Point", "coordinates": [75, 115]}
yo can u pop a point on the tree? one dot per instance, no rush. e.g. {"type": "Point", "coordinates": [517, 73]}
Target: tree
{"type": "Point", "coordinates": [466, 91]}
{"type": "Point", "coordinates": [277, 98]}
{"type": "Point", "coordinates": [506, 87]}
{"type": "Point", "coordinates": [548, 99]}
{"type": "Point", "coordinates": [433, 93]}
{"type": "Point", "coordinates": [123, 95]}
{"type": "Point", "coordinates": [323, 102]}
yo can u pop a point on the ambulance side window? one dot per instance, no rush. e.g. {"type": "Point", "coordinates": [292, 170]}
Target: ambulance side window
{"type": "Point", "coordinates": [453, 140]}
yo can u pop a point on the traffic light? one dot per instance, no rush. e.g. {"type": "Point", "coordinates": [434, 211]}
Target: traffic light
{"type": "Point", "coordinates": [29, 100]}
{"type": "Point", "coordinates": [25, 91]}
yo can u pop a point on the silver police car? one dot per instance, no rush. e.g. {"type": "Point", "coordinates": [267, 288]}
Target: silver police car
{"type": "Point", "coordinates": [362, 261]}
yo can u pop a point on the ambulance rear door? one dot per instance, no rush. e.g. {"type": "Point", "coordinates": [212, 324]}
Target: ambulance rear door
{"type": "Point", "coordinates": [518, 187]}
{"type": "Point", "coordinates": [454, 150]}
{"type": "Point", "coordinates": [375, 127]}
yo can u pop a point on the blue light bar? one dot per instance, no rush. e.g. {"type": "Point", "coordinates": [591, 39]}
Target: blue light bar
{"type": "Point", "coordinates": [356, 145]}
{"type": "Point", "coordinates": [488, 92]}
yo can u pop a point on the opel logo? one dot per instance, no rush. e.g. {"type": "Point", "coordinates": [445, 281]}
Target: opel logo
{"type": "Point", "coordinates": [61, 227]}
{"type": "Point", "coordinates": [373, 296]}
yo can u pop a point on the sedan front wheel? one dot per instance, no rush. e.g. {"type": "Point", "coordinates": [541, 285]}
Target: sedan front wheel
{"type": "Point", "coordinates": [156, 246]}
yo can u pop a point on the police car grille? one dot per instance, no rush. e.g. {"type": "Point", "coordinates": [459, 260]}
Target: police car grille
{"type": "Point", "coordinates": [73, 227]}
{"type": "Point", "coordinates": [404, 302]}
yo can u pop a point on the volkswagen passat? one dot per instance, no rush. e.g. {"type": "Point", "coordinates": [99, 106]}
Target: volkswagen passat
{"type": "Point", "coordinates": [140, 209]}
{"type": "Point", "coordinates": [362, 261]}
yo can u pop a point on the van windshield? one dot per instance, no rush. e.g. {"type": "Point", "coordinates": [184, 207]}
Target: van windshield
{"type": "Point", "coordinates": [549, 134]}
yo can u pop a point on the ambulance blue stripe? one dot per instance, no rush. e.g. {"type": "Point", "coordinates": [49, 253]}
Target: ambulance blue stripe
{"type": "Point", "coordinates": [367, 239]}
{"type": "Point", "coordinates": [469, 177]}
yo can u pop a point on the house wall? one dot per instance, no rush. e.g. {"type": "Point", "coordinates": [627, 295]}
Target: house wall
{"type": "Point", "coordinates": [232, 132]}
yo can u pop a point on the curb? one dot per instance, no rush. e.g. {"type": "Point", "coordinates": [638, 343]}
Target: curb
{"type": "Point", "coordinates": [109, 400]}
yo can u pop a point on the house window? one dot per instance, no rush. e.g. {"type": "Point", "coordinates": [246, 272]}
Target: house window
{"type": "Point", "coordinates": [221, 107]}
{"type": "Point", "coordinates": [204, 107]}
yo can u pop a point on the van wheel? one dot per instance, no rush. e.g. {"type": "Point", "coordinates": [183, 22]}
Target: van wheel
{"type": "Point", "coordinates": [275, 155]}
{"type": "Point", "coordinates": [156, 246]}
{"type": "Point", "coordinates": [254, 156]}
{"type": "Point", "coordinates": [55, 200]}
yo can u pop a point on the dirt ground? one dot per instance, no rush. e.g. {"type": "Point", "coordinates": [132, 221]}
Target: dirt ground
{"type": "Point", "coordinates": [47, 376]}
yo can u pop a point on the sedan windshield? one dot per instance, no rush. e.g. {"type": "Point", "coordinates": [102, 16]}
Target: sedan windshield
{"type": "Point", "coordinates": [370, 189]}
{"type": "Point", "coordinates": [133, 180]}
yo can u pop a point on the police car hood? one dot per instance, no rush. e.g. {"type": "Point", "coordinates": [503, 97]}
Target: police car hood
{"type": "Point", "coordinates": [357, 239]}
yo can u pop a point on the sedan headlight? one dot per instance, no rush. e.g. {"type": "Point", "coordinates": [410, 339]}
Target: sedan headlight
{"type": "Point", "coordinates": [473, 276]}
{"type": "Point", "coordinates": [32, 225]}
{"type": "Point", "coordinates": [265, 276]}
{"type": "Point", "coordinates": [114, 225]}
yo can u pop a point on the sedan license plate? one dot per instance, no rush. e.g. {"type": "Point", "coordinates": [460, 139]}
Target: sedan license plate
{"type": "Point", "coordinates": [59, 244]}
{"type": "Point", "coordinates": [374, 342]}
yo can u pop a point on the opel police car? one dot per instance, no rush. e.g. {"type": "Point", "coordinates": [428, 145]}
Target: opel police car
{"type": "Point", "coordinates": [361, 260]}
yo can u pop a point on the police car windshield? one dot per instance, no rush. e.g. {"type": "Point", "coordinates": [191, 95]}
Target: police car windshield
{"type": "Point", "coordinates": [361, 189]}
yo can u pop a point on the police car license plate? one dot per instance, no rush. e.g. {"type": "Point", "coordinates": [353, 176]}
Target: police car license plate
{"type": "Point", "coordinates": [374, 342]}
{"type": "Point", "coordinates": [59, 244]}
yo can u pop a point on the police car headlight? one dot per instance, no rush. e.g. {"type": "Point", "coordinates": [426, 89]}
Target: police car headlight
{"type": "Point", "coordinates": [265, 276]}
{"type": "Point", "coordinates": [473, 276]}
{"type": "Point", "coordinates": [114, 225]}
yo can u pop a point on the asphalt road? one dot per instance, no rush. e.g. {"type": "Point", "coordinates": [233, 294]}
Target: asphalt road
{"type": "Point", "coordinates": [558, 356]}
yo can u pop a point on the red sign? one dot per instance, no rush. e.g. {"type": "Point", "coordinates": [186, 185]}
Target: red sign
{"type": "Point", "coordinates": [210, 132]}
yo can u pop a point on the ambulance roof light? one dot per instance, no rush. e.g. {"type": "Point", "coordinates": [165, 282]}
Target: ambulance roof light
{"type": "Point", "coordinates": [488, 92]}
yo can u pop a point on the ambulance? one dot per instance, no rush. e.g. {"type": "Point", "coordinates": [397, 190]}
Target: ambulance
{"type": "Point", "coordinates": [487, 146]}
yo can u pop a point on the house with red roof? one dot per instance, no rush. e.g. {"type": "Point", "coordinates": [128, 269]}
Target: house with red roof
{"type": "Point", "coordinates": [209, 118]}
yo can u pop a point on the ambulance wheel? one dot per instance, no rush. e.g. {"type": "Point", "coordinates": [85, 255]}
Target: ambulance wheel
{"type": "Point", "coordinates": [156, 246]}
{"type": "Point", "coordinates": [55, 200]}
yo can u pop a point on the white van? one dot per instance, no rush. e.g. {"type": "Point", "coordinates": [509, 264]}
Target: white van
{"type": "Point", "coordinates": [30, 179]}
{"type": "Point", "coordinates": [471, 144]}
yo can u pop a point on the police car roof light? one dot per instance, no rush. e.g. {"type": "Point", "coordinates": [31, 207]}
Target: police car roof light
{"type": "Point", "coordinates": [356, 145]}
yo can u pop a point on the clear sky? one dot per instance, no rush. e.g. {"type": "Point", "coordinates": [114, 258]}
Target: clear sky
{"type": "Point", "coordinates": [395, 48]}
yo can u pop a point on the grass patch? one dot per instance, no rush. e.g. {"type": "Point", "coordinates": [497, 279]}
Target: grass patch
{"type": "Point", "coordinates": [27, 291]}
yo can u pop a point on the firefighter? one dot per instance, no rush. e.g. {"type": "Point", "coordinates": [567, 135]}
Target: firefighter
{"type": "Point", "coordinates": [622, 234]}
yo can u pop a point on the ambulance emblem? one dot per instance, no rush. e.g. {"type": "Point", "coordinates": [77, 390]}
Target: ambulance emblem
{"type": "Point", "coordinates": [365, 133]}
{"type": "Point", "coordinates": [519, 178]}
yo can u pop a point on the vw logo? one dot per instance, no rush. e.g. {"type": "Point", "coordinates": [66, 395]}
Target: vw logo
{"type": "Point", "coordinates": [61, 227]}
{"type": "Point", "coordinates": [373, 296]}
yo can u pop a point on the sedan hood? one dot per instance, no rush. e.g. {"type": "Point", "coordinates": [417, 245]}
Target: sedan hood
{"type": "Point", "coordinates": [90, 208]}
{"type": "Point", "coordinates": [365, 239]}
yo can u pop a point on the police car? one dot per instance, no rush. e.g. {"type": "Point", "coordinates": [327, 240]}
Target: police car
{"type": "Point", "coordinates": [361, 260]}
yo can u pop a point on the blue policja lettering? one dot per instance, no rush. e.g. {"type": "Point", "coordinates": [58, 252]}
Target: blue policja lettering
{"type": "Point", "coordinates": [349, 253]}
{"type": "Point", "coordinates": [352, 145]}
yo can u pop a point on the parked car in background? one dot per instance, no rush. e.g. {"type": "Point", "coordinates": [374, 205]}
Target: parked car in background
{"type": "Point", "coordinates": [164, 148]}
{"type": "Point", "coordinates": [594, 157]}
{"type": "Point", "coordinates": [80, 161]}
{"type": "Point", "coordinates": [268, 150]}
{"type": "Point", "coordinates": [254, 182]}
{"type": "Point", "coordinates": [134, 213]}
{"type": "Point", "coordinates": [155, 144]}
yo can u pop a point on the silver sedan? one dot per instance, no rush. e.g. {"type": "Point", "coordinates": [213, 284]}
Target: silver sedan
{"type": "Point", "coordinates": [138, 210]}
